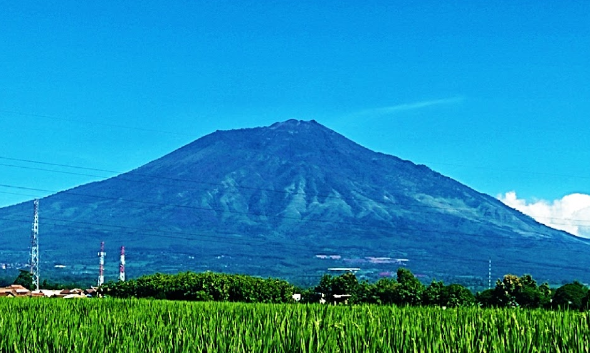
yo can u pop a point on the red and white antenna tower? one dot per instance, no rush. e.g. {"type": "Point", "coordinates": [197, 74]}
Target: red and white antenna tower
{"type": "Point", "coordinates": [101, 256]}
{"type": "Point", "coordinates": [34, 265]}
{"type": "Point", "coordinates": [122, 265]}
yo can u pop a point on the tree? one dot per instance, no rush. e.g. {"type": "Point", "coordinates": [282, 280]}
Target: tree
{"type": "Point", "coordinates": [487, 298]}
{"type": "Point", "coordinates": [410, 288]}
{"type": "Point", "coordinates": [530, 295]}
{"type": "Point", "coordinates": [455, 295]}
{"type": "Point", "coordinates": [365, 293]}
{"type": "Point", "coordinates": [385, 290]}
{"type": "Point", "coordinates": [570, 296]}
{"type": "Point", "coordinates": [505, 290]}
{"type": "Point", "coordinates": [203, 287]}
{"type": "Point", "coordinates": [346, 283]}
{"type": "Point", "coordinates": [25, 279]}
{"type": "Point", "coordinates": [520, 291]}
{"type": "Point", "coordinates": [433, 294]}
{"type": "Point", "coordinates": [325, 286]}
{"type": "Point", "coordinates": [310, 295]}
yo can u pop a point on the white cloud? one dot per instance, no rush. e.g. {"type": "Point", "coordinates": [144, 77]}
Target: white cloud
{"type": "Point", "coordinates": [571, 213]}
{"type": "Point", "coordinates": [411, 106]}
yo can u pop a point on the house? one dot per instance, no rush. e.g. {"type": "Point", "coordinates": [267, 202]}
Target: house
{"type": "Point", "coordinates": [341, 298]}
{"type": "Point", "coordinates": [20, 290]}
{"type": "Point", "coordinates": [16, 290]}
{"type": "Point", "coordinates": [68, 292]}
{"type": "Point", "coordinates": [50, 293]}
{"type": "Point", "coordinates": [5, 294]}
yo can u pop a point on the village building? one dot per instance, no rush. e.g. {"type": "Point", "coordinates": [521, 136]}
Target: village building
{"type": "Point", "coordinates": [14, 290]}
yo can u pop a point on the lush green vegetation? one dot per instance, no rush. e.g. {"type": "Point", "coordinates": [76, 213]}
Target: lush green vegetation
{"type": "Point", "coordinates": [212, 312]}
{"type": "Point", "coordinates": [206, 286]}
{"type": "Point", "coordinates": [130, 325]}
{"type": "Point", "coordinates": [407, 290]}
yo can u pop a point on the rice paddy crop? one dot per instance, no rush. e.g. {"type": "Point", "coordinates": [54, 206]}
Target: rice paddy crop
{"type": "Point", "coordinates": [109, 325]}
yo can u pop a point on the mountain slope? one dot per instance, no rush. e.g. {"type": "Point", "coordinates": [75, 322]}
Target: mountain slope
{"type": "Point", "coordinates": [291, 200]}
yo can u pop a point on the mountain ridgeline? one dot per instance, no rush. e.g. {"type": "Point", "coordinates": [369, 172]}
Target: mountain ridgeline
{"type": "Point", "coordinates": [289, 200]}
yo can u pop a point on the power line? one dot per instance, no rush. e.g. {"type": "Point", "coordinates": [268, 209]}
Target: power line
{"type": "Point", "coordinates": [148, 232]}
{"type": "Point", "coordinates": [19, 194]}
{"type": "Point", "coordinates": [50, 170]}
{"type": "Point", "coordinates": [118, 199]}
{"type": "Point", "coordinates": [416, 258]}
{"type": "Point", "coordinates": [127, 127]}
{"type": "Point", "coordinates": [249, 213]}
{"type": "Point", "coordinates": [190, 236]}
{"type": "Point", "coordinates": [395, 228]}
{"type": "Point", "coordinates": [509, 170]}
{"type": "Point", "coordinates": [216, 184]}
{"type": "Point", "coordinates": [85, 122]}
{"type": "Point", "coordinates": [121, 174]}
{"type": "Point", "coordinates": [121, 177]}
{"type": "Point", "coordinates": [582, 222]}
{"type": "Point", "coordinates": [58, 165]}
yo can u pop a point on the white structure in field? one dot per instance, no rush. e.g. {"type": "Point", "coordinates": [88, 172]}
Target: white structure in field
{"type": "Point", "coordinates": [101, 256]}
{"type": "Point", "coordinates": [122, 265]}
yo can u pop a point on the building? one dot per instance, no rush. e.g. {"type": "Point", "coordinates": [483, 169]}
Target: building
{"type": "Point", "coordinates": [15, 290]}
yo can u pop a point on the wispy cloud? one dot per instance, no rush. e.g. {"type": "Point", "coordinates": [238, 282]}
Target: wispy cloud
{"type": "Point", "coordinates": [571, 213]}
{"type": "Point", "coordinates": [411, 106]}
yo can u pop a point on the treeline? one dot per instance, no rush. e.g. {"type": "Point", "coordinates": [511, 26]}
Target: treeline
{"type": "Point", "coordinates": [510, 291]}
{"type": "Point", "coordinates": [406, 290]}
{"type": "Point", "coordinates": [207, 286]}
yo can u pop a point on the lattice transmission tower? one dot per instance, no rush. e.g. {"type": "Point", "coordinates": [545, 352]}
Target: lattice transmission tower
{"type": "Point", "coordinates": [34, 265]}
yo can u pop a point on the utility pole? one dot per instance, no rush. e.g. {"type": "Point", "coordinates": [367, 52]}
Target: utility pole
{"type": "Point", "coordinates": [34, 265]}
{"type": "Point", "coordinates": [122, 265]}
{"type": "Point", "coordinates": [101, 256]}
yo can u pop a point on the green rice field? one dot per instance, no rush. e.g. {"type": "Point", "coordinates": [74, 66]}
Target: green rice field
{"type": "Point", "coordinates": [110, 325]}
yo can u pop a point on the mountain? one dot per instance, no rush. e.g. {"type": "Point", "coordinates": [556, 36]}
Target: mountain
{"type": "Point", "coordinates": [289, 200]}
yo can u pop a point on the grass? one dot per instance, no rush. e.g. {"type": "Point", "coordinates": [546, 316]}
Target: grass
{"type": "Point", "coordinates": [109, 325]}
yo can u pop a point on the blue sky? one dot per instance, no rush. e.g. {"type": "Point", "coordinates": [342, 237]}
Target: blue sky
{"type": "Point", "coordinates": [493, 94]}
